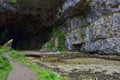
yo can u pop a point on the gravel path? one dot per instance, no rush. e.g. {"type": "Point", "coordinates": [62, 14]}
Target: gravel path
{"type": "Point", "coordinates": [20, 72]}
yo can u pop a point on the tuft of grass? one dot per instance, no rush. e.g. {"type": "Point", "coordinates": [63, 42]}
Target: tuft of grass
{"type": "Point", "coordinates": [42, 74]}
{"type": "Point", "coordinates": [5, 66]}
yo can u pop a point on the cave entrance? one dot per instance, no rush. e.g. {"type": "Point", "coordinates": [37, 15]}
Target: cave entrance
{"type": "Point", "coordinates": [8, 33]}
{"type": "Point", "coordinates": [25, 38]}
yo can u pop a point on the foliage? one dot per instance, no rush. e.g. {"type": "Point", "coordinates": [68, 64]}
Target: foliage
{"type": "Point", "coordinates": [17, 55]}
{"type": "Point", "coordinates": [50, 45]}
{"type": "Point", "coordinates": [48, 75]}
{"type": "Point", "coordinates": [41, 73]}
{"type": "Point", "coordinates": [5, 66]}
{"type": "Point", "coordinates": [61, 39]}
{"type": "Point", "coordinates": [13, 1]}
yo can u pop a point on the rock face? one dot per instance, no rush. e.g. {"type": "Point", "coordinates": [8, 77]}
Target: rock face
{"type": "Point", "coordinates": [103, 35]}
{"type": "Point", "coordinates": [90, 25]}
{"type": "Point", "coordinates": [98, 29]}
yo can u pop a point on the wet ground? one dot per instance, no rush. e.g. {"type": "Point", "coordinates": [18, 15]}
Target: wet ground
{"type": "Point", "coordinates": [81, 68]}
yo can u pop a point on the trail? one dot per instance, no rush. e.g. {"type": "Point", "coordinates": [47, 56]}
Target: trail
{"type": "Point", "coordinates": [20, 71]}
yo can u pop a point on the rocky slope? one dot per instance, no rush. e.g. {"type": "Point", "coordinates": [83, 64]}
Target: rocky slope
{"type": "Point", "coordinates": [95, 31]}
{"type": "Point", "coordinates": [88, 25]}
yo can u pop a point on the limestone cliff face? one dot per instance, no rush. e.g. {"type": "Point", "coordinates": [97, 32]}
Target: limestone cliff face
{"type": "Point", "coordinates": [90, 25]}
{"type": "Point", "coordinates": [97, 29]}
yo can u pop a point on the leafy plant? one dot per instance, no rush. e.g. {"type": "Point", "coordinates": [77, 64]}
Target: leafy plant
{"type": "Point", "coordinates": [61, 39]}
{"type": "Point", "coordinates": [13, 1]}
{"type": "Point", "coordinates": [5, 66]}
{"type": "Point", "coordinates": [50, 46]}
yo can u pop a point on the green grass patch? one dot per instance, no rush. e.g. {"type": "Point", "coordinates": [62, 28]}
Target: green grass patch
{"type": "Point", "coordinates": [42, 74]}
{"type": "Point", "coordinates": [13, 1]}
{"type": "Point", "coordinates": [5, 66]}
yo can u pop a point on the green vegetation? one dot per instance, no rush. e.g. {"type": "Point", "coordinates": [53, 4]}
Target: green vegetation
{"type": "Point", "coordinates": [57, 34]}
{"type": "Point", "coordinates": [13, 1]}
{"type": "Point", "coordinates": [41, 73]}
{"type": "Point", "coordinates": [5, 66]}
{"type": "Point", "coordinates": [50, 45]}
{"type": "Point", "coordinates": [61, 39]}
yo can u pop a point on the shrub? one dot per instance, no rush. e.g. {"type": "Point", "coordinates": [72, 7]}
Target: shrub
{"type": "Point", "coordinates": [5, 66]}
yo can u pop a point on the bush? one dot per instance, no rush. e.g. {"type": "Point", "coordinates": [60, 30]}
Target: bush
{"type": "Point", "coordinates": [13, 1]}
{"type": "Point", "coordinates": [61, 39]}
{"type": "Point", "coordinates": [5, 66]}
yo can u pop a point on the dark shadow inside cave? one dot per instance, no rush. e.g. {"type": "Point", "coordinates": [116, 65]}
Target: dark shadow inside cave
{"type": "Point", "coordinates": [8, 33]}
{"type": "Point", "coordinates": [22, 39]}
{"type": "Point", "coordinates": [29, 25]}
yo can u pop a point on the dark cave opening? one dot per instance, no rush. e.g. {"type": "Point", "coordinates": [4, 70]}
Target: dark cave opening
{"type": "Point", "coordinates": [27, 31]}
{"type": "Point", "coordinates": [8, 33]}
{"type": "Point", "coordinates": [30, 26]}
{"type": "Point", "coordinates": [22, 39]}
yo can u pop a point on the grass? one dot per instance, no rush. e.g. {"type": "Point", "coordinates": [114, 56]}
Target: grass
{"type": "Point", "coordinates": [42, 74]}
{"type": "Point", "coordinates": [5, 66]}
{"type": "Point", "coordinates": [13, 1]}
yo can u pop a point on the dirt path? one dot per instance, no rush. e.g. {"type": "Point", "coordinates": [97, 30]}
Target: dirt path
{"type": "Point", "coordinates": [20, 72]}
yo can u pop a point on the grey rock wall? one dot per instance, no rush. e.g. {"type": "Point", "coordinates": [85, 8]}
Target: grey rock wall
{"type": "Point", "coordinates": [103, 35]}
{"type": "Point", "coordinates": [98, 30]}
